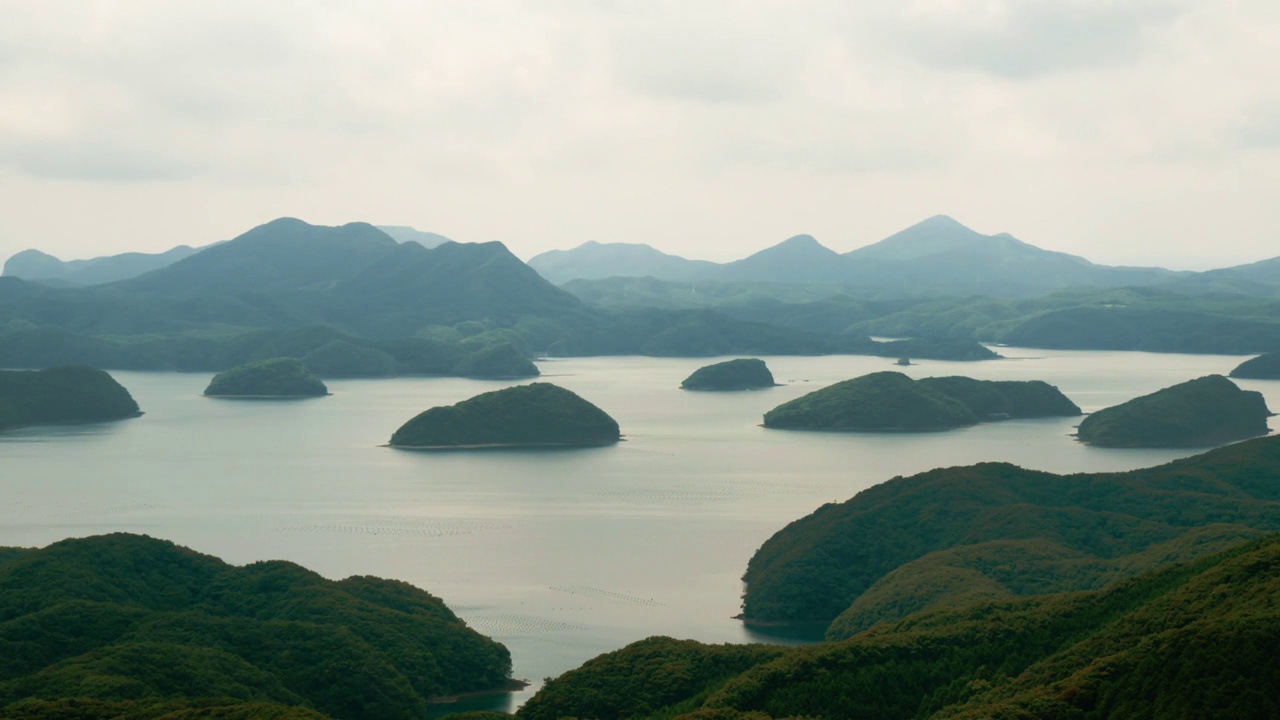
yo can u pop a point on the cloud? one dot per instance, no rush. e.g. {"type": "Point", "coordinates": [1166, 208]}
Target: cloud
{"type": "Point", "coordinates": [1023, 39]}
{"type": "Point", "coordinates": [97, 162]}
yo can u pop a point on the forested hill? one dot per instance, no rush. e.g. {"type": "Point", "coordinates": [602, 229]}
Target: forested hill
{"type": "Point", "coordinates": [1194, 640]}
{"type": "Point", "coordinates": [997, 530]}
{"type": "Point", "coordinates": [118, 625]}
{"type": "Point", "coordinates": [360, 283]}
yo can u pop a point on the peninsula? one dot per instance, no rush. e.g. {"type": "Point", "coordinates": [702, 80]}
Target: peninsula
{"type": "Point", "coordinates": [283, 377]}
{"type": "Point", "coordinates": [1203, 412]}
{"type": "Point", "coordinates": [740, 374]}
{"type": "Point", "coordinates": [1263, 367]}
{"type": "Point", "coordinates": [523, 416]}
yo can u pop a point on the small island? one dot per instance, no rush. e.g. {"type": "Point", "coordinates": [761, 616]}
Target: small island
{"type": "Point", "coordinates": [892, 402]}
{"type": "Point", "coordinates": [741, 374]}
{"type": "Point", "coordinates": [283, 377]}
{"type": "Point", "coordinates": [1203, 412]}
{"type": "Point", "coordinates": [879, 402]}
{"type": "Point", "coordinates": [1263, 367]}
{"type": "Point", "coordinates": [70, 394]}
{"type": "Point", "coordinates": [524, 416]}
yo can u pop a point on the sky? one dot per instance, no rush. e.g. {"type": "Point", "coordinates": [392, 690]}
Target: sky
{"type": "Point", "coordinates": [1128, 131]}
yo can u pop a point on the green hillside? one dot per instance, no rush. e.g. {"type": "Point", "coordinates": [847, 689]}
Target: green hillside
{"type": "Point", "coordinates": [739, 374]}
{"type": "Point", "coordinates": [1076, 531]}
{"type": "Point", "coordinates": [1198, 413]}
{"type": "Point", "coordinates": [129, 622]}
{"type": "Point", "coordinates": [69, 394]}
{"type": "Point", "coordinates": [534, 415]}
{"type": "Point", "coordinates": [276, 377]}
{"type": "Point", "coordinates": [1263, 367]}
{"type": "Point", "coordinates": [1194, 640]}
{"type": "Point", "coordinates": [892, 402]}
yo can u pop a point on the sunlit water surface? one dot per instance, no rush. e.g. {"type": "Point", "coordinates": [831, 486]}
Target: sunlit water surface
{"type": "Point", "coordinates": [561, 555]}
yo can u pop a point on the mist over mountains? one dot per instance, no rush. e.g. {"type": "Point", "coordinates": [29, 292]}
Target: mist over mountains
{"type": "Point", "coordinates": [938, 256]}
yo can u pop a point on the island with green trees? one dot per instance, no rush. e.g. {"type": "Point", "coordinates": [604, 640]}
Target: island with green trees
{"type": "Point", "coordinates": [995, 530]}
{"type": "Point", "coordinates": [890, 401]}
{"type": "Point", "coordinates": [740, 374]}
{"type": "Point", "coordinates": [128, 626]}
{"type": "Point", "coordinates": [1193, 640]}
{"type": "Point", "coordinates": [71, 394]}
{"type": "Point", "coordinates": [523, 416]}
{"type": "Point", "coordinates": [1203, 412]}
{"type": "Point", "coordinates": [1263, 367]}
{"type": "Point", "coordinates": [282, 377]}
{"type": "Point", "coordinates": [1028, 611]}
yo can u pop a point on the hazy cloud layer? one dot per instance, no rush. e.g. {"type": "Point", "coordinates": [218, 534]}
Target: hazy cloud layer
{"type": "Point", "coordinates": [1121, 130]}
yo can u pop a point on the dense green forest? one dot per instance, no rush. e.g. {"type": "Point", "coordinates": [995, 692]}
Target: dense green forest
{"type": "Point", "coordinates": [1263, 367]}
{"type": "Point", "coordinates": [1016, 526]}
{"type": "Point", "coordinates": [880, 402]}
{"type": "Point", "coordinates": [892, 402]}
{"type": "Point", "coordinates": [739, 374]}
{"type": "Point", "coordinates": [1198, 413]}
{"type": "Point", "coordinates": [276, 377]}
{"type": "Point", "coordinates": [126, 625]}
{"type": "Point", "coordinates": [1192, 640]}
{"type": "Point", "coordinates": [534, 415]}
{"type": "Point", "coordinates": [62, 395]}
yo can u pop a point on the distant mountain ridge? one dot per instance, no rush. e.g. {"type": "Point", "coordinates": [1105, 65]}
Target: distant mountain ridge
{"type": "Point", "coordinates": [936, 256]}
{"type": "Point", "coordinates": [42, 267]}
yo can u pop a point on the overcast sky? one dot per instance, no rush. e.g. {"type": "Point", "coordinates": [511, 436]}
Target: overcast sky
{"type": "Point", "coordinates": [1127, 131]}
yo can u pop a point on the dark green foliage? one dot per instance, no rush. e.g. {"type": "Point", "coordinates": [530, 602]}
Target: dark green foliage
{"type": "Point", "coordinates": [642, 678]}
{"type": "Point", "coordinates": [1263, 367]}
{"type": "Point", "coordinates": [1195, 640]}
{"type": "Point", "coordinates": [879, 402]}
{"type": "Point", "coordinates": [1198, 413]}
{"type": "Point", "coordinates": [342, 358]}
{"type": "Point", "coordinates": [128, 619]}
{"type": "Point", "coordinates": [277, 377]}
{"type": "Point", "coordinates": [62, 395]}
{"type": "Point", "coordinates": [500, 360]}
{"type": "Point", "coordinates": [997, 399]}
{"type": "Point", "coordinates": [81, 708]}
{"type": "Point", "coordinates": [539, 414]}
{"type": "Point", "coordinates": [816, 567]}
{"type": "Point", "coordinates": [740, 374]}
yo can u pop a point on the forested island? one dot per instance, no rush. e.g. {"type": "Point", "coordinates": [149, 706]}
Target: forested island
{"type": "Point", "coordinates": [1263, 367]}
{"type": "Point", "coordinates": [998, 531]}
{"type": "Point", "coordinates": [72, 394]}
{"type": "Point", "coordinates": [1198, 413]}
{"type": "Point", "coordinates": [273, 378]}
{"type": "Point", "coordinates": [890, 401]}
{"type": "Point", "coordinates": [127, 626]}
{"type": "Point", "coordinates": [740, 374]}
{"type": "Point", "coordinates": [523, 416]}
{"type": "Point", "coordinates": [1189, 640]}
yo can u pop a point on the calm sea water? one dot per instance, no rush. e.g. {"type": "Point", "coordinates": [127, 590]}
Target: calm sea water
{"type": "Point", "coordinates": [561, 555]}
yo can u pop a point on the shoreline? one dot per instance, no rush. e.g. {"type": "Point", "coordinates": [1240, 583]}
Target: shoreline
{"type": "Point", "coordinates": [503, 446]}
{"type": "Point", "coordinates": [512, 685]}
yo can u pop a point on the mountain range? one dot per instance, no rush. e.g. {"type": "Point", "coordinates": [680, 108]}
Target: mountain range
{"type": "Point", "coordinates": [46, 269]}
{"type": "Point", "coordinates": [936, 256]}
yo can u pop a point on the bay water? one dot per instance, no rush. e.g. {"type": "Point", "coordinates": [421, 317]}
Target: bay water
{"type": "Point", "coordinates": [559, 554]}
